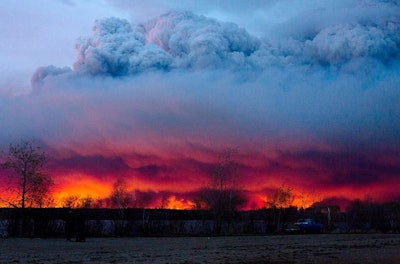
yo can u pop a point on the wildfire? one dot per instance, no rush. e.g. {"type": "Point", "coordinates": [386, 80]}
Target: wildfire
{"type": "Point", "coordinates": [80, 186]}
{"type": "Point", "coordinates": [182, 204]}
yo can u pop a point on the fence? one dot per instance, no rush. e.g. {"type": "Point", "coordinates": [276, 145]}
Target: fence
{"type": "Point", "coordinates": [57, 222]}
{"type": "Point", "coordinates": [54, 222]}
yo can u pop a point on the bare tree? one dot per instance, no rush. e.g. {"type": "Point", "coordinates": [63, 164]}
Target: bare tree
{"type": "Point", "coordinates": [120, 196]}
{"type": "Point", "coordinates": [71, 201]}
{"type": "Point", "coordinates": [281, 199]}
{"type": "Point", "coordinates": [29, 185]}
{"type": "Point", "coordinates": [121, 199]}
{"type": "Point", "coordinates": [223, 196]}
{"type": "Point", "coordinates": [75, 201]}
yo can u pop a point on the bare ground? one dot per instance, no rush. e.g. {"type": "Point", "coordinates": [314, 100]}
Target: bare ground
{"type": "Point", "coordinates": [337, 248]}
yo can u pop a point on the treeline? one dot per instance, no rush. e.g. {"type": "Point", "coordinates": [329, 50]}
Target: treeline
{"type": "Point", "coordinates": [216, 205]}
{"type": "Point", "coordinates": [360, 217]}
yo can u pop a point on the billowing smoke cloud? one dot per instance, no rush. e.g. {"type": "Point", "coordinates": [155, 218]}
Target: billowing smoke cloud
{"type": "Point", "coordinates": [313, 104]}
{"type": "Point", "coordinates": [173, 41]}
{"type": "Point", "coordinates": [183, 40]}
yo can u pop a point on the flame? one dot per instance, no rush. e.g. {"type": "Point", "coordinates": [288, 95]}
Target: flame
{"type": "Point", "coordinates": [81, 186]}
{"type": "Point", "coordinates": [177, 196]}
{"type": "Point", "coordinates": [181, 204]}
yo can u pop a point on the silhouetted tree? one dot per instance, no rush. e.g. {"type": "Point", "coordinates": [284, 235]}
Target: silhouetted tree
{"type": "Point", "coordinates": [222, 196]}
{"type": "Point", "coordinates": [121, 199]}
{"type": "Point", "coordinates": [75, 201]}
{"type": "Point", "coordinates": [71, 201]}
{"type": "Point", "coordinates": [87, 202]}
{"type": "Point", "coordinates": [281, 199]}
{"type": "Point", "coordinates": [307, 199]}
{"type": "Point", "coordinates": [28, 183]}
{"type": "Point", "coordinates": [120, 196]}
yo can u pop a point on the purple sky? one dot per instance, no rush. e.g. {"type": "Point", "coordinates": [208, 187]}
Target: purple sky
{"type": "Point", "coordinates": [308, 91]}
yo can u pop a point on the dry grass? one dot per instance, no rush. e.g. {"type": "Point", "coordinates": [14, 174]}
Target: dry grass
{"type": "Point", "coordinates": [347, 248]}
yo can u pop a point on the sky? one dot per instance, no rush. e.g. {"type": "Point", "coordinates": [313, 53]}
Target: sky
{"type": "Point", "coordinates": [153, 91]}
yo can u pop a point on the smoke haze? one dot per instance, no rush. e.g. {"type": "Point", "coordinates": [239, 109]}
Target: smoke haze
{"type": "Point", "coordinates": [312, 102]}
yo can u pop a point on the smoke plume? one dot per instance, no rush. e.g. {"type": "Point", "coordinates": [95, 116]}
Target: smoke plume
{"type": "Point", "coordinates": [314, 103]}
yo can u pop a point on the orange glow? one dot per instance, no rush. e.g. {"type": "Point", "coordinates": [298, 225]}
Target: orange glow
{"type": "Point", "coordinates": [174, 203]}
{"type": "Point", "coordinates": [169, 182]}
{"type": "Point", "coordinates": [261, 200]}
{"type": "Point", "coordinates": [80, 186]}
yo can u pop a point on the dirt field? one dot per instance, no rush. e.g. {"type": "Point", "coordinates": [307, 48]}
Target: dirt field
{"type": "Point", "coordinates": [371, 248]}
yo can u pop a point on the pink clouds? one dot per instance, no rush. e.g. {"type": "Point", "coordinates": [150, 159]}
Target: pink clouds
{"type": "Point", "coordinates": [155, 103]}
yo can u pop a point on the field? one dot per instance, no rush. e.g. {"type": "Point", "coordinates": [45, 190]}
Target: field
{"type": "Point", "coordinates": [332, 248]}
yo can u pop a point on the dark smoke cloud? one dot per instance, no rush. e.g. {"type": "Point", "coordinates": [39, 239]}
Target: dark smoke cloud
{"type": "Point", "coordinates": [309, 102]}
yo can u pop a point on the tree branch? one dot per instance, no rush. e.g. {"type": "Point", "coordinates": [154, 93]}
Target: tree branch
{"type": "Point", "coordinates": [9, 203]}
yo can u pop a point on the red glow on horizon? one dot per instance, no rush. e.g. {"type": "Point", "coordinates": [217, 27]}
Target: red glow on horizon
{"type": "Point", "coordinates": [84, 186]}
{"type": "Point", "coordinates": [180, 195]}
{"type": "Point", "coordinates": [181, 204]}
{"type": "Point", "coordinates": [172, 181]}
{"type": "Point", "coordinates": [81, 186]}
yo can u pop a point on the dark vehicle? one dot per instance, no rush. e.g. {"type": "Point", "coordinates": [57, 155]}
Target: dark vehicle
{"type": "Point", "coordinates": [308, 226]}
